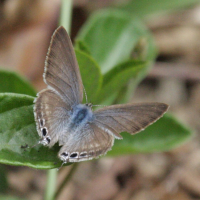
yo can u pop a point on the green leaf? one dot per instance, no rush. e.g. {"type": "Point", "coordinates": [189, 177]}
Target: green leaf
{"type": "Point", "coordinates": [80, 45]}
{"type": "Point", "coordinates": [90, 73]}
{"type": "Point", "coordinates": [116, 78]}
{"type": "Point", "coordinates": [18, 129]}
{"type": "Point", "coordinates": [111, 36]}
{"type": "Point", "coordinates": [11, 82]}
{"type": "Point", "coordinates": [144, 8]}
{"type": "Point", "coordinates": [165, 134]}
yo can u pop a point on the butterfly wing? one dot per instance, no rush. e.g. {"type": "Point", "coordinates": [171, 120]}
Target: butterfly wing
{"type": "Point", "coordinates": [61, 68]}
{"type": "Point", "coordinates": [130, 118]}
{"type": "Point", "coordinates": [51, 116]}
{"type": "Point", "coordinates": [90, 142]}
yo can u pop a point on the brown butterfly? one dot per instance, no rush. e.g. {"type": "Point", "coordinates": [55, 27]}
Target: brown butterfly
{"type": "Point", "coordinates": [60, 117]}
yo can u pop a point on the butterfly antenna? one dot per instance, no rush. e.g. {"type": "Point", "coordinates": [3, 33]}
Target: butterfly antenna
{"type": "Point", "coordinates": [99, 105]}
{"type": "Point", "coordinates": [85, 94]}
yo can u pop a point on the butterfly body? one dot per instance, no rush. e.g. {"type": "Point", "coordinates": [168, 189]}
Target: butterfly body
{"type": "Point", "coordinates": [81, 115]}
{"type": "Point", "coordinates": [61, 117]}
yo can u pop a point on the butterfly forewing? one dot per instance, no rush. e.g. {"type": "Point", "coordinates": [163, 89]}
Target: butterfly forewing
{"type": "Point", "coordinates": [131, 118]}
{"type": "Point", "coordinates": [61, 68]}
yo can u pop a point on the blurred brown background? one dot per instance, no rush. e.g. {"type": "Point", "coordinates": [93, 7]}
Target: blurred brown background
{"type": "Point", "coordinates": [25, 30]}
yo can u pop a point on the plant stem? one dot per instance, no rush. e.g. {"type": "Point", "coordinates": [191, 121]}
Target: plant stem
{"type": "Point", "coordinates": [66, 180]}
{"type": "Point", "coordinates": [51, 184]}
{"type": "Point", "coordinates": [65, 14]}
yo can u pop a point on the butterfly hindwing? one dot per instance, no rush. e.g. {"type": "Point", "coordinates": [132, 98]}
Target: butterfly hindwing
{"type": "Point", "coordinates": [51, 116]}
{"type": "Point", "coordinates": [90, 142]}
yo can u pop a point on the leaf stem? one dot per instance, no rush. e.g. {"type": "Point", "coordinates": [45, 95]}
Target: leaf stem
{"type": "Point", "coordinates": [66, 180]}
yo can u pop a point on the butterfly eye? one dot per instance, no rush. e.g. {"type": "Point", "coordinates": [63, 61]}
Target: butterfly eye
{"type": "Point", "coordinates": [44, 131]}
{"type": "Point", "coordinates": [73, 155]}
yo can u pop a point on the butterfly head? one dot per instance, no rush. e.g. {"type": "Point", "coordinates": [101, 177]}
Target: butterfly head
{"type": "Point", "coordinates": [89, 105]}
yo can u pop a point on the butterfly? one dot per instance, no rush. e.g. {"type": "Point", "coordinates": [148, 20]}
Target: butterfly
{"type": "Point", "coordinates": [82, 133]}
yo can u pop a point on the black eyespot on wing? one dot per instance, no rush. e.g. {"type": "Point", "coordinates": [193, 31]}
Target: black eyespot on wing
{"type": "Point", "coordinates": [48, 140]}
{"type": "Point", "coordinates": [83, 154]}
{"type": "Point", "coordinates": [64, 154]}
{"type": "Point", "coordinates": [73, 155]}
{"type": "Point", "coordinates": [41, 122]}
{"type": "Point", "coordinates": [44, 131]}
